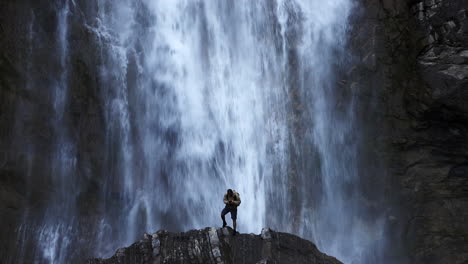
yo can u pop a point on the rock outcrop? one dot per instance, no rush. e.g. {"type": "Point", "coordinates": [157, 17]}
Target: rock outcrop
{"type": "Point", "coordinates": [211, 245]}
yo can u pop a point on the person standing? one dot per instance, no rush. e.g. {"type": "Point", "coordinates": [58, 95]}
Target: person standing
{"type": "Point", "coordinates": [232, 200]}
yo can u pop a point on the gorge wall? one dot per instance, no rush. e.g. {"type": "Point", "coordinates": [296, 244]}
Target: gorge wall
{"type": "Point", "coordinates": [414, 60]}
{"type": "Point", "coordinates": [64, 122]}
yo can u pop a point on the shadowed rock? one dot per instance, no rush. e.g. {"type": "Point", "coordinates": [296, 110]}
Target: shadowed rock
{"type": "Point", "coordinates": [211, 245]}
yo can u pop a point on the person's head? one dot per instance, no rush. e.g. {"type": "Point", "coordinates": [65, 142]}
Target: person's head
{"type": "Point", "coordinates": [229, 192]}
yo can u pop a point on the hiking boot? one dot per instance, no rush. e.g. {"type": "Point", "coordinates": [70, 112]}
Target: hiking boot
{"type": "Point", "coordinates": [224, 224]}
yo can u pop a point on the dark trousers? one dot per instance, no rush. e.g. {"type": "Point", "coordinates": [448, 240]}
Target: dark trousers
{"type": "Point", "coordinates": [232, 210]}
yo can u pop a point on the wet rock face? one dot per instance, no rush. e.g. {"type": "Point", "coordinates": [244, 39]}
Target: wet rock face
{"type": "Point", "coordinates": [29, 66]}
{"type": "Point", "coordinates": [414, 66]}
{"type": "Point", "coordinates": [211, 245]}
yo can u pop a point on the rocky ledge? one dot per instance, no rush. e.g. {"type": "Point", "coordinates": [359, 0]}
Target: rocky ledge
{"type": "Point", "coordinates": [211, 245]}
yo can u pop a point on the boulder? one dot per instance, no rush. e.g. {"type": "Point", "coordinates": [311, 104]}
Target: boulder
{"type": "Point", "coordinates": [219, 245]}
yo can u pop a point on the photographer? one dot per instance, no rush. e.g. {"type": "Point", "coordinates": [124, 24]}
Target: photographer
{"type": "Point", "coordinates": [232, 201]}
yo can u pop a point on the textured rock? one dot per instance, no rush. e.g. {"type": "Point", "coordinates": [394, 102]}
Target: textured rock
{"type": "Point", "coordinates": [420, 84]}
{"type": "Point", "coordinates": [211, 245]}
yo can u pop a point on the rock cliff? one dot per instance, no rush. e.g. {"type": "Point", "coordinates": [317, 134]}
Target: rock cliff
{"type": "Point", "coordinates": [211, 245]}
{"type": "Point", "coordinates": [412, 72]}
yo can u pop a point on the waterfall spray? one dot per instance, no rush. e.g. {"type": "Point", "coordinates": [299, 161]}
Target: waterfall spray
{"type": "Point", "coordinates": [201, 96]}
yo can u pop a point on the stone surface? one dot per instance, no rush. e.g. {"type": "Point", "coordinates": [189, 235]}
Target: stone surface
{"type": "Point", "coordinates": [211, 245]}
{"type": "Point", "coordinates": [419, 89]}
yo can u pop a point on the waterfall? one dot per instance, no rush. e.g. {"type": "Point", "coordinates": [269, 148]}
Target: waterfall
{"type": "Point", "coordinates": [338, 220]}
{"type": "Point", "coordinates": [206, 85]}
{"type": "Point", "coordinates": [201, 96]}
{"type": "Point", "coordinates": [57, 226]}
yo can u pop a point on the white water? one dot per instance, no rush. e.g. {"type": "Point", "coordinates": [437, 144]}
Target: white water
{"type": "Point", "coordinates": [197, 99]}
{"type": "Point", "coordinates": [207, 80]}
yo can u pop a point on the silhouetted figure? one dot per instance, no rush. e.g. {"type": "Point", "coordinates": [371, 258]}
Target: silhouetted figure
{"type": "Point", "coordinates": [231, 200]}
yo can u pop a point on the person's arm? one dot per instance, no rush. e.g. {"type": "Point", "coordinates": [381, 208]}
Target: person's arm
{"type": "Point", "coordinates": [237, 201]}
{"type": "Point", "coordinates": [225, 199]}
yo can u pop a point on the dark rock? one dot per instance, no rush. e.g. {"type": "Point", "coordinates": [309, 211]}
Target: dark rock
{"type": "Point", "coordinates": [421, 80]}
{"type": "Point", "coordinates": [211, 245]}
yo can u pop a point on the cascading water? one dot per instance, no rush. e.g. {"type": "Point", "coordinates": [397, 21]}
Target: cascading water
{"type": "Point", "coordinates": [203, 93]}
{"type": "Point", "coordinates": [55, 229]}
{"type": "Point", "coordinates": [337, 221]}
{"type": "Point", "coordinates": [201, 96]}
